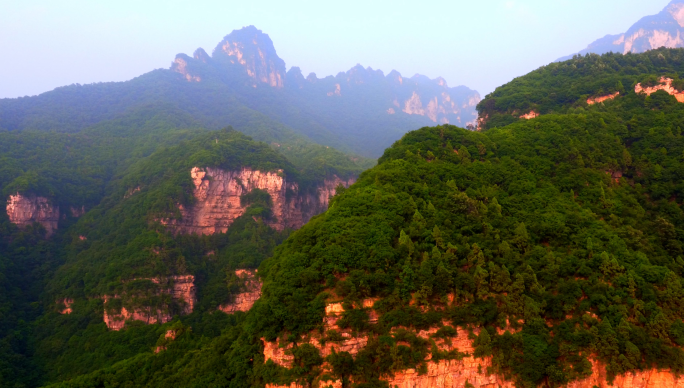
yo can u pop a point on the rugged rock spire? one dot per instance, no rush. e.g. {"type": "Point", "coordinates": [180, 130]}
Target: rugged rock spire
{"type": "Point", "coordinates": [253, 50]}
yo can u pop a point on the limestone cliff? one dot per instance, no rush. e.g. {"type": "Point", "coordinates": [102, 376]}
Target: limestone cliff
{"type": "Point", "coordinates": [244, 300]}
{"type": "Point", "coordinates": [600, 99]}
{"type": "Point", "coordinates": [217, 200]}
{"type": "Point", "coordinates": [180, 65]}
{"type": "Point", "coordinates": [181, 291]}
{"type": "Point", "coordinates": [254, 51]}
{"type": "Point", "coordinates": [465, 370]}
{"type": "Point", "coordinates": [665, 85]}
{"type": "Point", "coordinates": [24, 210]}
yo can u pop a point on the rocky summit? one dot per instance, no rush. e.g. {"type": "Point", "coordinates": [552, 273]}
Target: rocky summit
{"type": "Point", "coordinates": [666, 29]}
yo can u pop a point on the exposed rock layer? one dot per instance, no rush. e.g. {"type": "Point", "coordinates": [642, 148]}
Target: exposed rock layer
{"type": "Point", "coordinates": [24, 210]}
{"type": "Point", "coordinates": [665, 85]}
{"type": "Point", "coordinates": [182, 291]}
{"type": "Point", "coordinates": [218, 200]}
{"type": "Point", "coordinates": [456, 373]}
{"type": "Point", "coordinates": [530, 115]}
{"type": "Point", "coordinates": [599, 99]}
{"type": "Point", "coordinates": [244, 300]}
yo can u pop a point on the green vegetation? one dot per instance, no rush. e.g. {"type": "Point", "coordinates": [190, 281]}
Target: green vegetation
{"type": "Point", "coordinates": [564, 87]}
{"type": "Point", "coordinates": [525, 225]}
{"type": "Point", "coordinates": [567, 230]}
{"type": "Point", "coordinates": [94, 169]}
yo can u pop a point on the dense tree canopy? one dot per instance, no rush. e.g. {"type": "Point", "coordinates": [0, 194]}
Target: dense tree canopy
{"type": "Point", "coordinates": [566, 229]}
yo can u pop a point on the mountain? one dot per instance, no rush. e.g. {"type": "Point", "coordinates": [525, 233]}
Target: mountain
{"type": "Point", "coordinates": [665, 29]}
{"type": "Point", "coordinates": [245, 84]}
{"type": "Point", "coordinates": [108, 225]}
{"type": "Point", "coordinates": [548, 251]}
{"type": "Point", "coordinates": [582, 82]}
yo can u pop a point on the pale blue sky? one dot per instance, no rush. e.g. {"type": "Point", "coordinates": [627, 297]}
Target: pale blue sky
{"type": "Point", "coordinates": [478, 43]}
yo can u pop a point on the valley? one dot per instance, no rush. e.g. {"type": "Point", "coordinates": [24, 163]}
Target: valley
{"type": "Point", "coordinates": [229, 222]}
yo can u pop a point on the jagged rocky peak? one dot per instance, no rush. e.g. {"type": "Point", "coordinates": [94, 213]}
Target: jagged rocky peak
{"type": "Point", "coordinates": [666, 29]}
{"type": "Point", "coordinates": [253, 50]}
{"type": "Point", "coordinates": [433, 98]}
{"type": "Point", "coordinates": [295, 78]}
{"type": "Point", "coordinates": [360, 75]}
{"type": "Point", "coordinates": [201, 55]}
{"type": "Point", "coordinates": [25, 209]}
{"type": "Point", "coordinates": [182, 65]}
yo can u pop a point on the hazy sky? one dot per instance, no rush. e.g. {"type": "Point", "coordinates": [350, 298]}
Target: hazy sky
{"type": "Point", "coordinates": [478, 43]}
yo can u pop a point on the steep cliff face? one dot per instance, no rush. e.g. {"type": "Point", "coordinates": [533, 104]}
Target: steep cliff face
{"type": "Point", "coordinates": [254, 51]}
{"type": "Point", "coordinates": [436, 101]}
{"type": "Point", "coordinates": [454, 373]}
{"type": "Point", "coordinates": [665, 85]}
{"type": "Point", "coordinates": [465, 370]}
{"type": "Point", "coordinates": [415, 96]}
{"type": "Point", "coordinates": [181, 291]}
{"type": "Point", "coordinates": [180, 65]}
{"type": "Point", "coordinates": [252, 291]}
{"type": "Point", "coordinates": [218, 192]}
{"type": "Point", "coordinates": [23, 210]}
{"type": "Point", "coordinates": [665, 29]}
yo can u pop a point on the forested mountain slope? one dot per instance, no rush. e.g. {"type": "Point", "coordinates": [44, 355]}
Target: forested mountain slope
{"type": "Point", "coordinates": [547, 252]}
{"type": "Point", "coordinates": [621, 84]}
{"type": "Point", "coordinates": [74, 199]}
{"type": "Point", "coordinates": [245, 84]}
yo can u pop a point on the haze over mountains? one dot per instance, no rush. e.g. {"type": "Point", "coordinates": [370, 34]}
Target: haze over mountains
{"type": "Point", "coordinates": [360, 111]}
{"type": "Point", "coordinates": [666, 29]}
{"type": "Point", "coordinates": [145, 243]}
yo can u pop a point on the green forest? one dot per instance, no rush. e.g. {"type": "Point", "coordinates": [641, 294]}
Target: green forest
{"type": "Point", "coordinates": [93, 169]}
{"type": "Point", "coordinates": [560, 237]}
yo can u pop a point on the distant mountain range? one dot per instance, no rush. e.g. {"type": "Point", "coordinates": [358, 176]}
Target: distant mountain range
{"type": "Point", "coordinates": [245, 84]}
{"type": "Point", "coordinates": [665, 29]}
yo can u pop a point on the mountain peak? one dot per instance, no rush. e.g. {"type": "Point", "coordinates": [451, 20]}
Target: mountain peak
{"type": "Point", "coordinates": [250, 48]}
{"type": "Point", "coordinates": [665, 29]}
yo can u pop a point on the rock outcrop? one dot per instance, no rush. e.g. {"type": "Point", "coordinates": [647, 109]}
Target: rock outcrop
{"type": "Point", "coordinates": [466, 370]}
{"type": "Point", "coordinates": [218, 200]}
{"type": "Point", "coordinates": [77, 212]}
{"type": "Point", "coordinates": [665, 85]}
{"type": "Point", "coordinates": [252, 292]}
{"type": "Point", "coordinates": [181, 291]}
{"type": "Point", "coordinates": [600, 99]}
{"type": "Point", "coordinates": [253, 50]}
{"type": "Point", "coordinates": [24, 210]}
{"type": "Point", "coordinates": [651, 378]}
{"type": "Point", "coordinates": [180, 65]}
{"type": "Point", "coordinates": [530, 115]}
{"type": "Point", "coordinates": [67, 302]}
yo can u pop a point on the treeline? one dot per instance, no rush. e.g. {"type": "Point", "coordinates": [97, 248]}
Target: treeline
{"type": "Point", "coordinates": [563, 87]}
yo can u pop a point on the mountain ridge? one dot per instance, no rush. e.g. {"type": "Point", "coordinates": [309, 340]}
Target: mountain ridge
{"type": "Point", "coordinates": [665, 29]}
{"type": "Point", "coordinates": [357, 111]}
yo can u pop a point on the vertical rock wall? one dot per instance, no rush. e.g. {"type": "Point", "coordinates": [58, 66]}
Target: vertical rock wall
{"type": "Point", "coordinates": [182, 291]}
{"type": "Point", "coordinates": [217, 193]}
{"type": "Point", "coordinates": [244, 300]}
{"type": "Point", "coordinates": [24, 210]}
